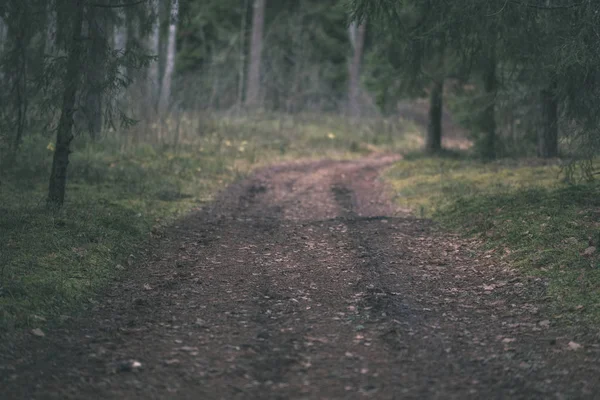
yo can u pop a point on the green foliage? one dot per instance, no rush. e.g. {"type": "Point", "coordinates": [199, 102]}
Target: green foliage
{"type": "Point", "coordinates": [536, 46]}
{"type": "Point", "coordinates": [304, 62]}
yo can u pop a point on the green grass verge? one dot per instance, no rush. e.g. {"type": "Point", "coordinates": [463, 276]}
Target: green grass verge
{"type": "Point", "coordinates": [521, 210]}
{"type": "Point", "coordinates": [119, 189]}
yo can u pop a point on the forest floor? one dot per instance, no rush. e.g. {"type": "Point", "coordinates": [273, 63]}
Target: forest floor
{"type": "Point", "coordinates": [305, 281]}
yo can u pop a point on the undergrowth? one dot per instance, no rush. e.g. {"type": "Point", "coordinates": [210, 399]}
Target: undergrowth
{"type": "Point", "coordinates": [125, 185]}
{"type": "Point", "coordinates": [523, 211]}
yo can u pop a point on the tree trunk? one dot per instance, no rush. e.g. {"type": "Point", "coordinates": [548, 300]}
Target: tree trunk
{"type": "Point", "coordinates": [164, 13]}
{"type": "Point", "coordinates": [64, 132]}
{"type": "Point", "coordinates": [17, 77]}
{"type": "Point", "coordinates": [120, 34]}
{"type": "Point", "coordinates": [3, 30]}
{"type": "Point", "coordinates": [94, 73]}
{"type": "Point", "coordinates": [548, 133]}
{"type": "Point", "coordinates": [165, 91]}
{"type": "Point", "coordinates": [132, 23]}
{"type": "Point", "coordinates": [357, 39]}
{"type": "Point", "coordinates": [433, 142]}
{"type": "Point", "coordinates": [3, 41]}
{"type": "Point", "coordinates": [256, 47]}
{"type": "Point", "coordinates": [154, 48]}
{"type": "Point", "coordinates": [51, 30]}
{"type": "Point", "coordinates": [242, 49]}
{"type": "Point", "coordinates": [488, 121]}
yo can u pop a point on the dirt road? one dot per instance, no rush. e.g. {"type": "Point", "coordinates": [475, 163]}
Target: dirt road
{"type": "Point", "coordinates": [305, 282]}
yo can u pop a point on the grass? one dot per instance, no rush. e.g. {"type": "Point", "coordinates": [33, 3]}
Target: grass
{"type": "Point", "coordinates": [522, 211]}
{"type": "Point", "coordinates": [119, 189]}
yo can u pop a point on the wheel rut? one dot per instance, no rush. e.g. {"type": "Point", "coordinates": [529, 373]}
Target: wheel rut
{"type": "Point", "coordinates": [305, 282]}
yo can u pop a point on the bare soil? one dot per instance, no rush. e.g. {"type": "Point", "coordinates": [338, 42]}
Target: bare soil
{"type": "Point", "coordinates": [305, 282]}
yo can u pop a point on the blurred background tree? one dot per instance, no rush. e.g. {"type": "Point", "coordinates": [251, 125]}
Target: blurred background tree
{"type": "Point", "coordinates": [522, 78]}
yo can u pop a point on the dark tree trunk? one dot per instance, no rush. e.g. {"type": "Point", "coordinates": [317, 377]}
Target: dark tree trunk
{"type": "Point", "coordinates": [256, 46]}
{"type": "Point", "coordinates": [131, 36]}
{"type": "Point", "coordinates": [548, 133]}
{"type": "Point", "coordinates": [17, 77]}
{"type": "Point", "coordinates": [95, 73]}
{"type": "Point", "coordinates": [153, 47]}
{"type": "Point", "coordinates": [488, 121]}
{"type": "Point", "coordinates": [64, 132]}
{"type": "Point", "coordinates": [357, 39]}
{"type": "Point", "coordinates": [433, 142]}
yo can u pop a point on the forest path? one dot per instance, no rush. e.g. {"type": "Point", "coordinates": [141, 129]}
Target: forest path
{"type": "Point", "coordinates": [304, 282]}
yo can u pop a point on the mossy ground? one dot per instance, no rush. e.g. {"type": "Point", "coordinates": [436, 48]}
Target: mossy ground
{"type": "Point", "coordinates": [522, 210]}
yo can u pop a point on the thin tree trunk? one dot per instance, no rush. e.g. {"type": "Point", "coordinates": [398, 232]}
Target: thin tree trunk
{"type": "Point", "coordinates": [488, 121]}
{"type": "Point", "coordinates": [357, 39]}
{"type": "Point", "coordinates": [120, 34]}
{"type": "Point", "coordinates": [154, 48]}
{"type": "Point", "coordinates": [242, 70]}
{"type": "Point", "coordinates": [3, 42]}
{"type": "Point", "coordinates": [64, 132]}
{"type": "Point", "coordinates": [18, 78]}
{"type": "Point", "coordinates": [433, 142]}
{"type": "Point", "coordinates": [21, 99]}
{"type": "Point", "coordinates": [120, 45]}
{"type": "Point", "coordinates": [164, 12]}
{"type": "Point", "coordinates": [3, 30]}
{"type": "Point", "coordinates": [256, 47]}
{"type": "Point", "coordinates": [51, 30]}
{"type": "Point", "coordinates": [548, 134]}
{"type": "Point", "coordinates": [94, 74]}
{"type": "Point", "coordinates": [165, 91]}
{"type": "Point", "coordinates": [131, 38]}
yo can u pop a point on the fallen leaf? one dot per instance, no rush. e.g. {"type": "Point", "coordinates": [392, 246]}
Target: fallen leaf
{"type": "Point", "coordinates": [188, 348]}
{"type": "Point", "coordinates": [545, 323]}
{"type": "Point", "coordinates": [509, 340]}
{"type": "Point", "coordinates": [38, 332]}
{"type": "Point", "coordinates": [316, 339]}
{"type": "Point", "coordinates": [130, 365]}
{"type": "Point", "coordinates": [589, 251]}
{"type": "Point", "coordinates": [489, 288]}
{"type": "Point", "coordinates": [147, 286]}
{"type": "Point", "coordinates": [574, 346]}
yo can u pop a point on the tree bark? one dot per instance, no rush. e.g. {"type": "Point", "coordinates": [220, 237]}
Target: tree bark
{"type": "Point", "coordinates": [94, 73]}
{"type": "Point", "coordinates": [256, 47]}
{"type": "Point", "coordinates": [120, 34]}
{"type": "Point", "coordinates": [3, 30]}
{"type": "Point", "coordinates": [51, 30]}
{"type": "Point", "coordinates": [165, 91]}
{"type": "Point", "coordinates": [548, 133]}
{"type": "Point", "coordinates": [154, 48]}
{"type": "Point", "coordinates": [242, 68]}
{"type": "Point", "coordinates": [357, 39]}
{"type": "Point", "coordinates": [64, 132]}
{"type": "Point", "coordinates": [18, 64]}
{"type": "Point", "coordinates": [433, 142]}
{"type": "Point", "coordinates": [488, 121]}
